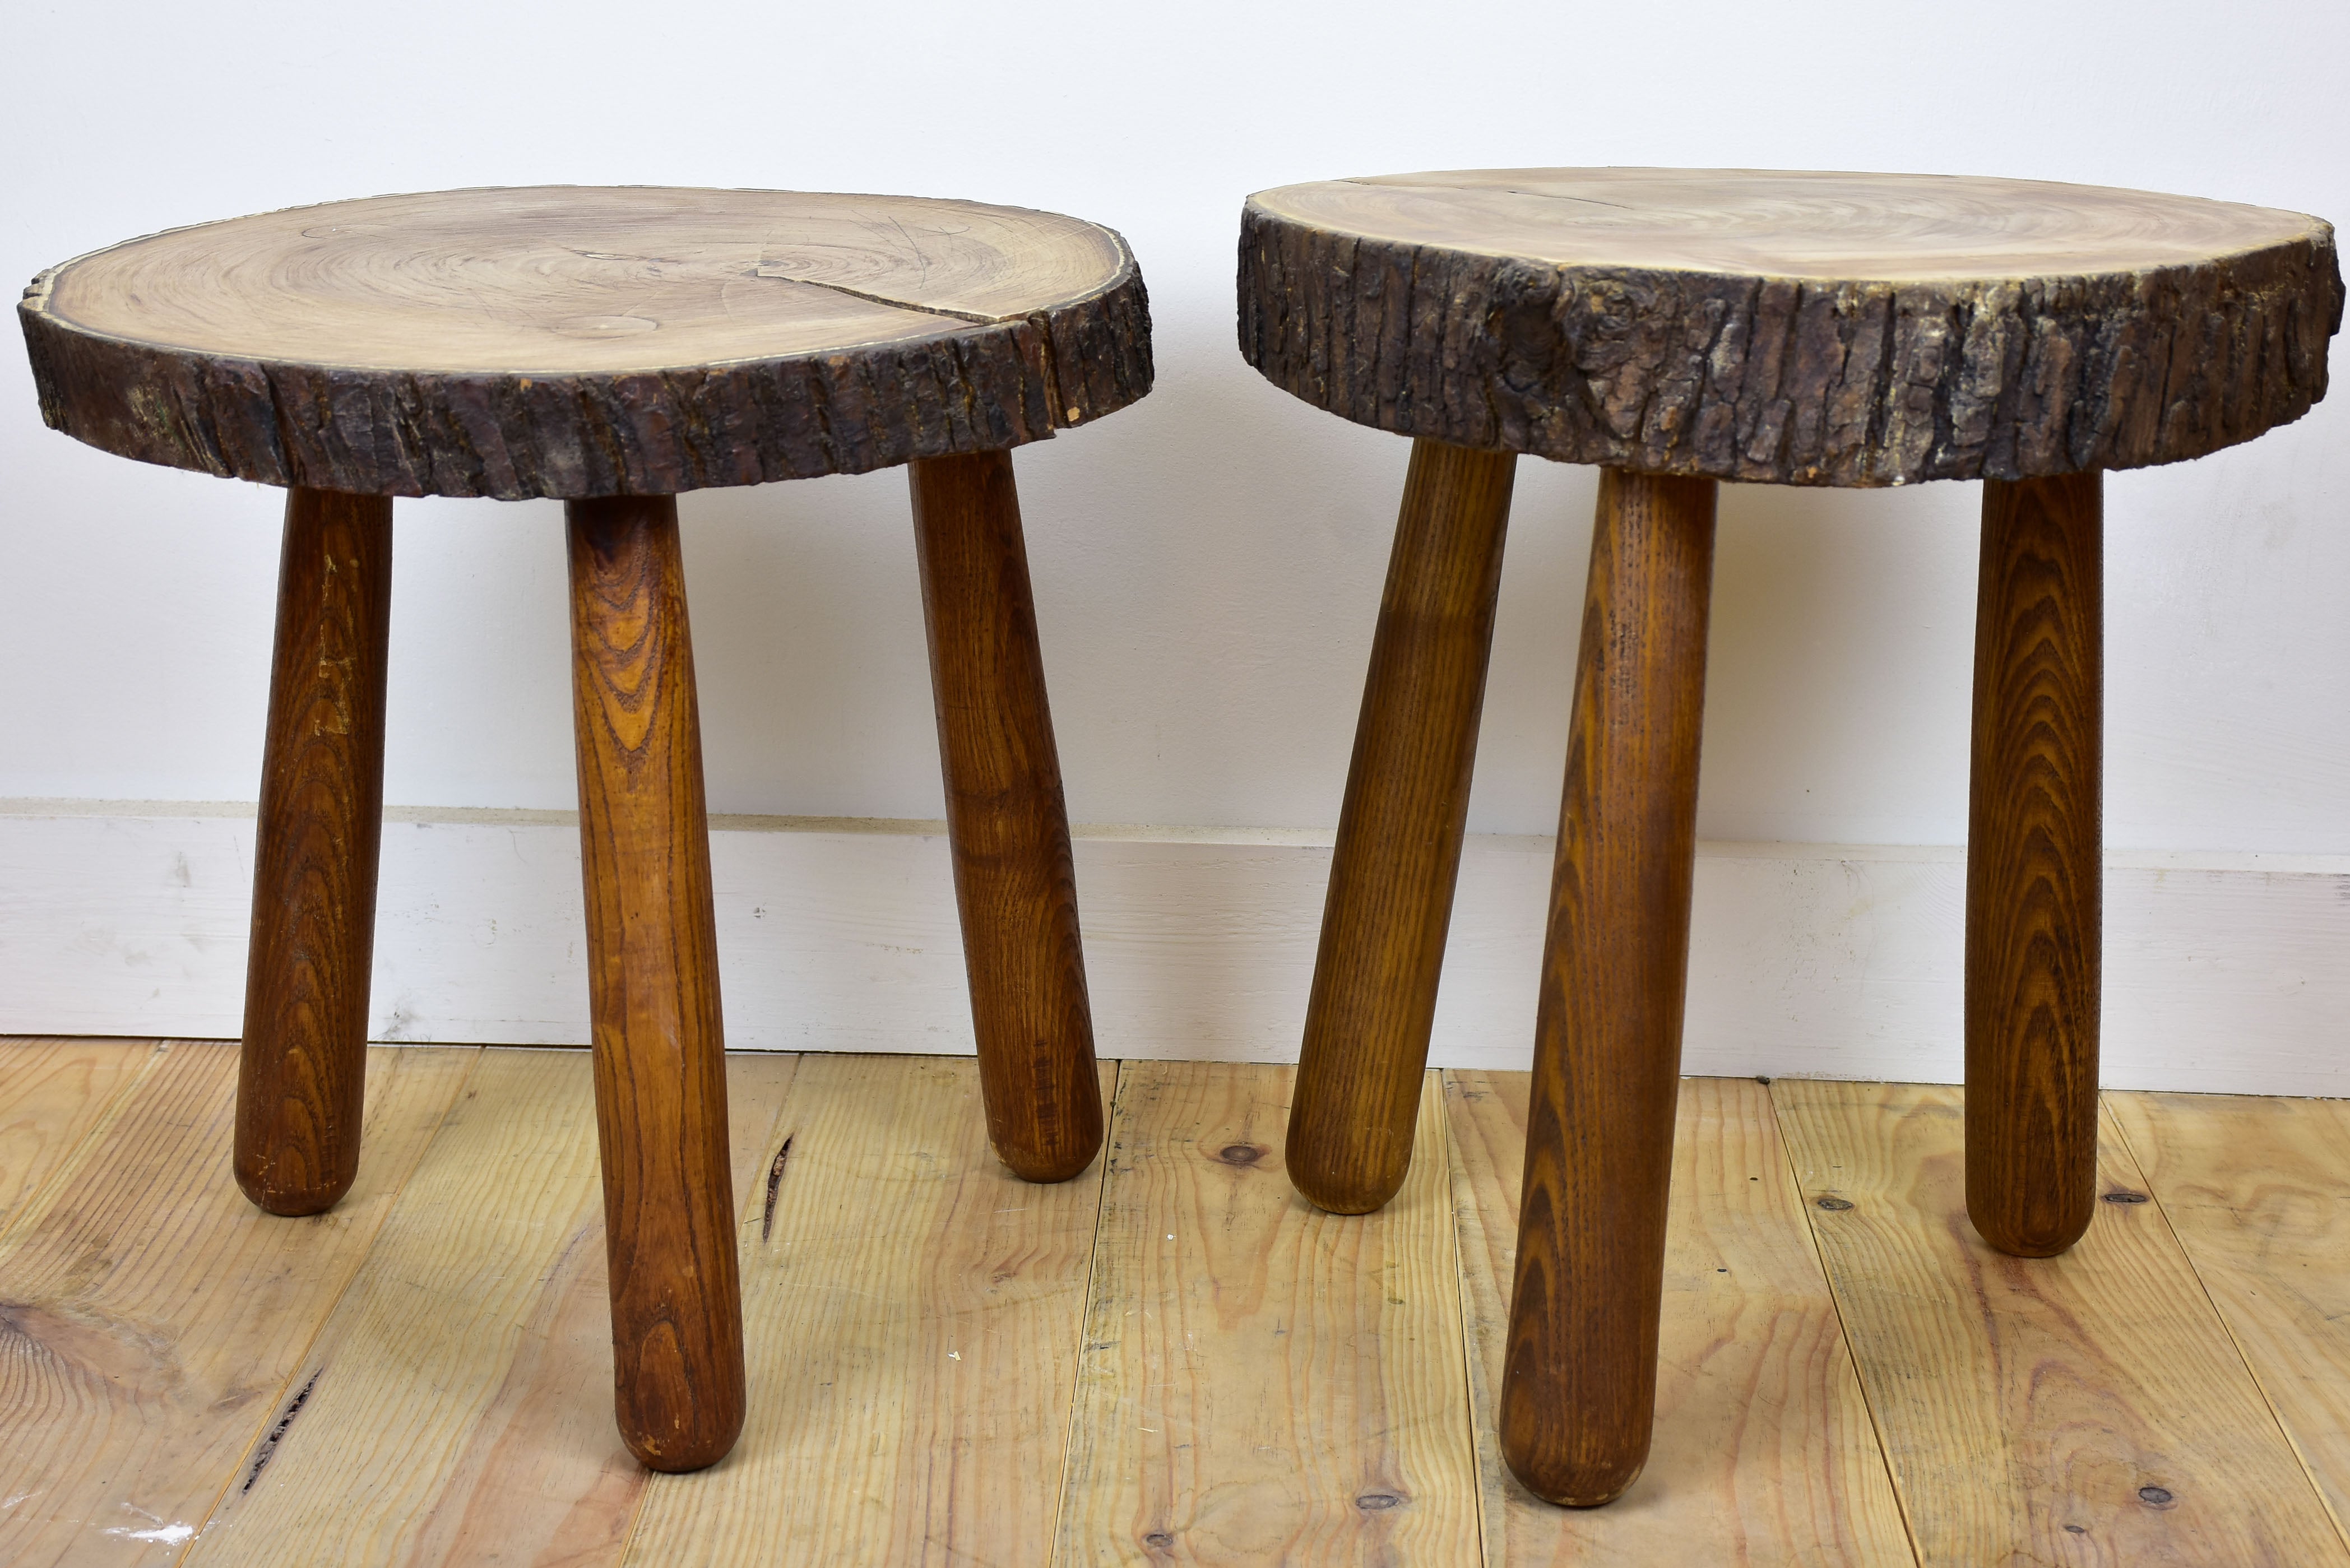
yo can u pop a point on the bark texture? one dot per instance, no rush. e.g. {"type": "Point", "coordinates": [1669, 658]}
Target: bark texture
{"type": "Point", "coordinates": [432, 427]}
{"type": "Point", "coordinates": [1784, 379]}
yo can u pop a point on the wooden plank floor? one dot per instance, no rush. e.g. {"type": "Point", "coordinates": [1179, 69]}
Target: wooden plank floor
{"type": "Point", "coordinates": [1169, 1359]}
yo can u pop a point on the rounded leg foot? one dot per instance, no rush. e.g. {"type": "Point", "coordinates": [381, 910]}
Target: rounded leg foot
{"type": "Point", "coordinates": [652, 966]}
{"type": "Point", "coordinates": [1368, 1019]}
{"type": "Point", "coordinates": [2035, 883]}
{"type": "Point", "coordinates": [301, 1080]}
{"type": "Point", "coordinates": [1580, 1381]}
{"type": "Point", "coordinates": [1015, 882]}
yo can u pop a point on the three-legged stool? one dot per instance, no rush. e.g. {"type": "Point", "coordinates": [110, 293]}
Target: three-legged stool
{"type": "Point", "coordinates": [1682, 327]}
{"type": "Point", "coordinates": [614, 348]}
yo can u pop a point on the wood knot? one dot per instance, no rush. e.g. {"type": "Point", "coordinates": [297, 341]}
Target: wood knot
{"type": "Point", "coordinates": [1373, 1502]}
{"type": "Point", "coordinates": [1833, 1205]}
{"type": "Point", "coordinates": [1158, 1538]}
{"type": "Point", "coordinates": [1241, 1153]}
{"type": "Point", "coordinates": [2126, 1197]}
{"type": "Point", "coordinates": [2155, 1496]}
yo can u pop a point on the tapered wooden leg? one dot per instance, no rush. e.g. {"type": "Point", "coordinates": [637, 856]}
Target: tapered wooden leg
{"type": "Point", "coordinates": [1398, 852]}
{"type": "Point", "coordinates": [302, 1078]}
{"type": "Point", "coordinates": [1014, 881]}
{"type": "Point", "coordinates": [652, 969]}
{"type": "Point", "coordinates": [2034, 882]}
{"type": "Point", "coordinates": [1578, 1393]}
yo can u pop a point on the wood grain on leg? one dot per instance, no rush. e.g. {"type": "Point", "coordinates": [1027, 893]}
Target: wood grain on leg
{"type": "Point", "coordinates": [1014, 881]}
{"type": "Point", "coordinates": [1578, 1393]}
{"type": "Point", "coordinates": [2033, 875]}
{"type": "Point", "coordinates": [1398, 852]}
{"type": "Point", "coordinates": [652, 967]}
{"type": "Point", "coordinates": [302, 1085]}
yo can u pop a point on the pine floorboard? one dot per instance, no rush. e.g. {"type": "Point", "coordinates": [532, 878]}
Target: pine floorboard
{"type": "Point", "coordinates": [1168, 1359]}
{"type": "Point", "coordinates": [2258, 1192]}
{"type": "Point", "coordinates": [53, 1093]}
{"type": "Point", "coordinates": [152, 1319]}
{"type": "Point", "coordinates": [1763, 1453]}
{"type": "Point", "coordinates": [1262, 1382]}
{"type": "Point", "coordinates": [910, 1314]}
{"type": "Point", "coordinates": [2087, 1408]}
{"type": "Point", "coordinates": [465, 1372]}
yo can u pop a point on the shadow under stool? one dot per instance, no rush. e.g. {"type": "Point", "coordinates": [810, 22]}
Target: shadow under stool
{"type": "Point", "coordinates": [1682, 327]}
{"type": "Point", "coordinates": [613, 348]}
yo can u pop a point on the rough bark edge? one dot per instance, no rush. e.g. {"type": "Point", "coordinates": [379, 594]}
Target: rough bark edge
{"type": "Point", "coordinates": [1789, 382]}
{"type": "Point", "coordinates": [971, 387]}
{"type": "Point", "coordinates": [1099, 346]}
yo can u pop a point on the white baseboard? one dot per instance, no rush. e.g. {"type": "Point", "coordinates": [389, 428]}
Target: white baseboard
{"type": "Point", "coordinates": [2224, 972]}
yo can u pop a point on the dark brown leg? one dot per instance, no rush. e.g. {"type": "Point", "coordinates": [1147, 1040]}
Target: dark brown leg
{"type": "Point", "coordinates": [302, 1082]}
{"type": "Point", "coordinates": [1014, 881]}
{"type": "Point", "coordinates": [2034, 880]}
{"type": "Point", "coordinates": [652, 976]}
{"type": "Point", "coordinates": [1398, 852]}
{"type": "Point", "coordinates": [1579, 1387]}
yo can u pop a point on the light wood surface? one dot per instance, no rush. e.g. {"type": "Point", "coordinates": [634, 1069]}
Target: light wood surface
{"type": "Point", "coordinates": [2035, 873]}
{"type": "Point", "coordinates": [2075, 1410]}
{"type": "Point", "coordinates": [950, 1366]}
{"type": "Point", "coordinates": [301, 1085]}
{"type": "Point", "coordinates": [1763, 1453]}
{"type": "Point", "coordinates": [467, 1367]}
{"type": "Point", "coordinates": [1579, 1387]}
{"type": "Point", "coordinates": [573, 340]}
{"type": "Point", "coordinates": [1015, 879]}
{"type": "Point", "coordinates": [1797, 328]}
{"type": "Point", "coordinates": [1398, 859]}
{"type": "Point", "coordinates": [913, 1311]}
{"type": "Point", "coordinates": [1820, 227]}
{"type": "Point", "coordinates": [2258, 1193]}
{"type": "Point", "coordinates": [154, 1321]}
{"type": "Point", "coordinates": [1262, 1382]}
{"type": "Point", "coordinates": [653, 984]}
{"type": "Point", "coordinates": [53, 1094]}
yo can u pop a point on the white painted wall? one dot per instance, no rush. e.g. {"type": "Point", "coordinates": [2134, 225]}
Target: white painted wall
{"type": "Point", "coordinates": [2223, 971]}
{"type": "Point", "coordinates": [1207, 563]}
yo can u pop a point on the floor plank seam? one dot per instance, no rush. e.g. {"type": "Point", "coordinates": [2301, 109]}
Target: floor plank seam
{"type": "Point", "coordinates": [1489, 1549]}
{"type": "Point", "coordinates": [2268, 1401]}
{"type": "Point", "coordinates": [37, 1199]}
{"type": "Point", "coordinates": [2248, 1206]}
{"type": "Point", "coordinates": [1844, 1338]}
{"type": "Point", "coordinates": [1085, 1306]}
{"type": "Point", "coordinates": [251, 1460]}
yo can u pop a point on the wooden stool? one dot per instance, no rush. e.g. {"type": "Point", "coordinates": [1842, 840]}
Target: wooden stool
{"type": "Point", "coordinates": [1682, 327]}
{"type": "Point", "coordinates": [614, 348]}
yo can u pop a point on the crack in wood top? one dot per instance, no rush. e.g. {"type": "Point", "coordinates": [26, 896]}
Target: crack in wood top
{"type": "Point", "coordinates": [580, 341]}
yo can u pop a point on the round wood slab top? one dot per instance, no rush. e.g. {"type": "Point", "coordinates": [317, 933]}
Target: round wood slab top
{"type": "Point", "coordinates": [1801, 328]}
{"type": "Point", "coordinates": [577, 341]}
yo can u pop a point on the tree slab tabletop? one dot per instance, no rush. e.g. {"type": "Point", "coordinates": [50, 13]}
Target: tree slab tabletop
{"type": "Point", "coordinates": [578, 341]}
{"type": "Point", "coordinates": [1797, 328]}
